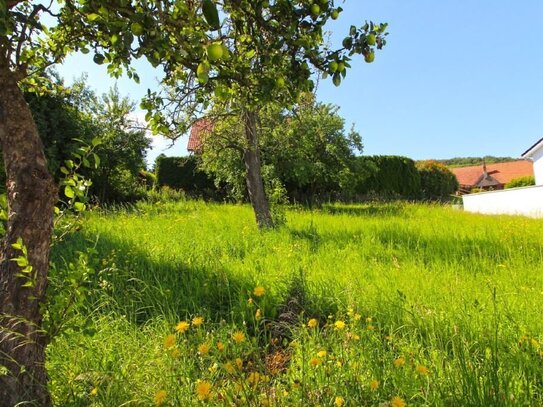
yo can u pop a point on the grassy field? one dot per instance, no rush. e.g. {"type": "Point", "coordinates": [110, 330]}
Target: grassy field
{"type": "Point", "coordinates": [384, 305]}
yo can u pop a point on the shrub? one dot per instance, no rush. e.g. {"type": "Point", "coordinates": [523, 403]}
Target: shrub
{"type": "Point", "coordinates": [436, 180]}
{"type": "Point", "coordinates": [521, 182]}
{"type": "Point", "coordinates": [389, 177]}
{"type": "Point", "coordinates": [183, 173]}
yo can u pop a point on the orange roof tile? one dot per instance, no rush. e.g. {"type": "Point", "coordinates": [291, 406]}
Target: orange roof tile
{"type": "Point", "coordinates": [195, 139]}
{"type": "Point", "coordinates": [502, 172]}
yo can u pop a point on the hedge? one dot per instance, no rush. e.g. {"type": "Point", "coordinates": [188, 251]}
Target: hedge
{"type": "Point", "coordinates": [389, 176]}
{"type": "Point", "coordinates": [183, 173]}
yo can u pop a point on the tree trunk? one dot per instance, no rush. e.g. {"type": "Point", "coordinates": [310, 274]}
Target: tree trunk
{"type": "Point", "coordinates": [255, 185]}
{"type": "Point", "coordinates": [31, 194]}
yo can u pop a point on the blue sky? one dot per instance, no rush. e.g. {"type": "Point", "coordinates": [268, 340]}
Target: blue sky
{"type": "Point", "coordinates": [457, 78]}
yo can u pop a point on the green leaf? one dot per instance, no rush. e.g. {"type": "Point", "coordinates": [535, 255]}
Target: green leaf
{"type": "Point", "coordinates": [79, 206]}
{"type": "Point", "coordinates": [93, 17]}
{"type": "Point", "coordinates": [98, 59]}
{"type": "Point", "coordinates": [68, 191]}
{"type": "Point", "coordinates": [29, 284]}
{"type": "Point", "coordinates": [96, 159]}
{"type": "Point", "coordinates": [18, 245]}
{"type": "Point", "coordinates": [211, 14]}
{"type": "Point", "coordinates": [21, 262]}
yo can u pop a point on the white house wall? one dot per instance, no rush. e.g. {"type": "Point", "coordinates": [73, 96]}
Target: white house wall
{"type": "Point", "coordinates": [526, 201]}
{"type": "Point", "coordinates": [538, 166]}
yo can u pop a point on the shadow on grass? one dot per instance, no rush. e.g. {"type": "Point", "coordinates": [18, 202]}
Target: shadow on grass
{"type": "Point", "coordinates": [130, 282]}
{"type": "Point", "coordinates": [377, 210]}
{"type": "Point", "coordinates": [137, 285]}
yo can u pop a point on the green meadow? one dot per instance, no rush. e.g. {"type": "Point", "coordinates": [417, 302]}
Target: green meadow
{"type": "Point", "coordinates": [187, 303]}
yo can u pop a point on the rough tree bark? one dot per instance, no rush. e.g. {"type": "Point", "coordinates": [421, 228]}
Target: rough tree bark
{"type": "Point", "coordinates": [255, 185]}
{"type": "Point", "coordinates": [31, 194]}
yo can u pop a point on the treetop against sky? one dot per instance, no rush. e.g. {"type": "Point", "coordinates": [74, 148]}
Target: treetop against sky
{"type": "Point", "coordinates": [455, 79]}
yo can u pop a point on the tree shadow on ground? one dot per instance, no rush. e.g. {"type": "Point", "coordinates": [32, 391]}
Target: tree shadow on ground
{"type": "Point", "coordinates": [131, 282]}
{"type": "Point", "coordinates": [377, 210]}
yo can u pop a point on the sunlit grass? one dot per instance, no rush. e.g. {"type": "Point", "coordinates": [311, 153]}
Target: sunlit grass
{"type": "Point", "coordinates": [408, 303]}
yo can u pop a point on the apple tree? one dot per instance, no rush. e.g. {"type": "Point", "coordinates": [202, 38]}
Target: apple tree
{"type": "Point", "coordinates": [246, 55]}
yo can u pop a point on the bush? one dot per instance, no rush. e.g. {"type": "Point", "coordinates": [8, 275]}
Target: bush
{"type": "Point", "coordinates": [389, 177]}
{"type": "Point", "coordinates": [521, 182]}
{"type": "Point", "coordinates": [183, 173]}
{"type": "Point", "coordinates": [436, 180]}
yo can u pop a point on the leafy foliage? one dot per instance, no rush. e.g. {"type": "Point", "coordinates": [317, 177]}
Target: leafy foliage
{"type": "Point", "coordinates": [436, 180]}
{"type": "Point", "coordinates": [183, 173]}
{"type": "Point", "coordinates": [263, 52]}
{"type": "Point", "coordinates": [306, 150]}
{"type": "Point", "coordinates": [65, 117]}
{"type": "Point", "coordinates": [390, 177]}
{"type": "Point", "coordinates": [521, 182]}
{"type": "Point", "coordinates": [469, 161]}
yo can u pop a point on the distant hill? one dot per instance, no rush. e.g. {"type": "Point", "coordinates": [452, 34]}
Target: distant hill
{"type": "Point", "coordinates": [468, 161]}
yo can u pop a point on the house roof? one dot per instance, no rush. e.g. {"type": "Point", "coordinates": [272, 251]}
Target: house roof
{"type": "Point", "coordinates": [501, 172]}
{"type": "Point", "coordinates": [195, 138]}
{"type": "Point", "coordinates": [530, 152]}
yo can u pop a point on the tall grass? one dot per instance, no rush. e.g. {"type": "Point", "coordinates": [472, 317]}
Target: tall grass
{"type": "Point", "coordinates": [440, 308]}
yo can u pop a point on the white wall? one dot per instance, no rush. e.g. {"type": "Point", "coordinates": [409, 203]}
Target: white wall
{"type": "Point", "coordinates": [538, 166]}
{"type": "Point", "coordinates": [526, 201]}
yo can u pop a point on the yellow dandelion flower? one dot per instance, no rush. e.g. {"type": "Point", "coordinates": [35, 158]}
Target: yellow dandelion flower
{"type": "Point", "coordinates": [339, 364]}
{"type": "Point", "coordinates": [374, 384]}
{"type": "Point", "coordinates": [369, 319]}
{"type": "Point", "coordinates": [239, 363]}
{"type": "Point", "coordinates": [312, 323]}
{"type": "Point", "coordinates": [339, 325]}
{"type": "Point", "coordinates": [94, 391]}
{"type": "Point", "coordinates": [160, 397]}
{"type": "Point", "coordinates": [371, 328]}
{"type": "Point", "coordinates": [203, 390]}
{"type": "Point", "coordinates": [350, 311]}
{"type": "Point", "coordinates": [176, 353]}
{"type": "Point", "coordinates": [422, 370]}
{"type": "Point", "coordinates": [169, 341]}
{"type": "Point", "coordinates": [259, 291]}
{"type": "Point", "coordinates": [357, 317]}
{"type": "Point", "coordinates": [253, 378]}
{"type": "Point", "coordinates": [220, 346]}
{"type": "Point", "coordinates": [258, 314]}
{"type": "Point", "coordinates": [203, 348]}
{"type": "Point", "coordinates": [397, 402]}
{"type": "Point", "coordinates": [399, 362]}
{"type": "Point", "coordinates": [322, 354]}
{"type": "Point", "coordinates": [315, 362]}
{"type": "Point", "coordinates": [356, 337]}
{"type": "Point", "coordinates": [182, 327]}
{"type": "Point", "coordinates": [197, 321]}
{"type": "Point", "coordinates": [250, 301]}
{"type": "Point", "coordinates": [238, 337]}
{"type": "Point", "coordinates": [229, 367]}
{"type": "Point", "coordinates": [339, 401]}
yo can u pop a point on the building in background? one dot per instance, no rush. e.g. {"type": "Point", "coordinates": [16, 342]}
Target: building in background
{"type": "Point", "coordinates": [492, 177]}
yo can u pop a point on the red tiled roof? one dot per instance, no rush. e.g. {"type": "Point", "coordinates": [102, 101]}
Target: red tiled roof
{"type": "Point", "coordinates": [501, 172]}
{"type": "Point", "coordinates": [195, 139]}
